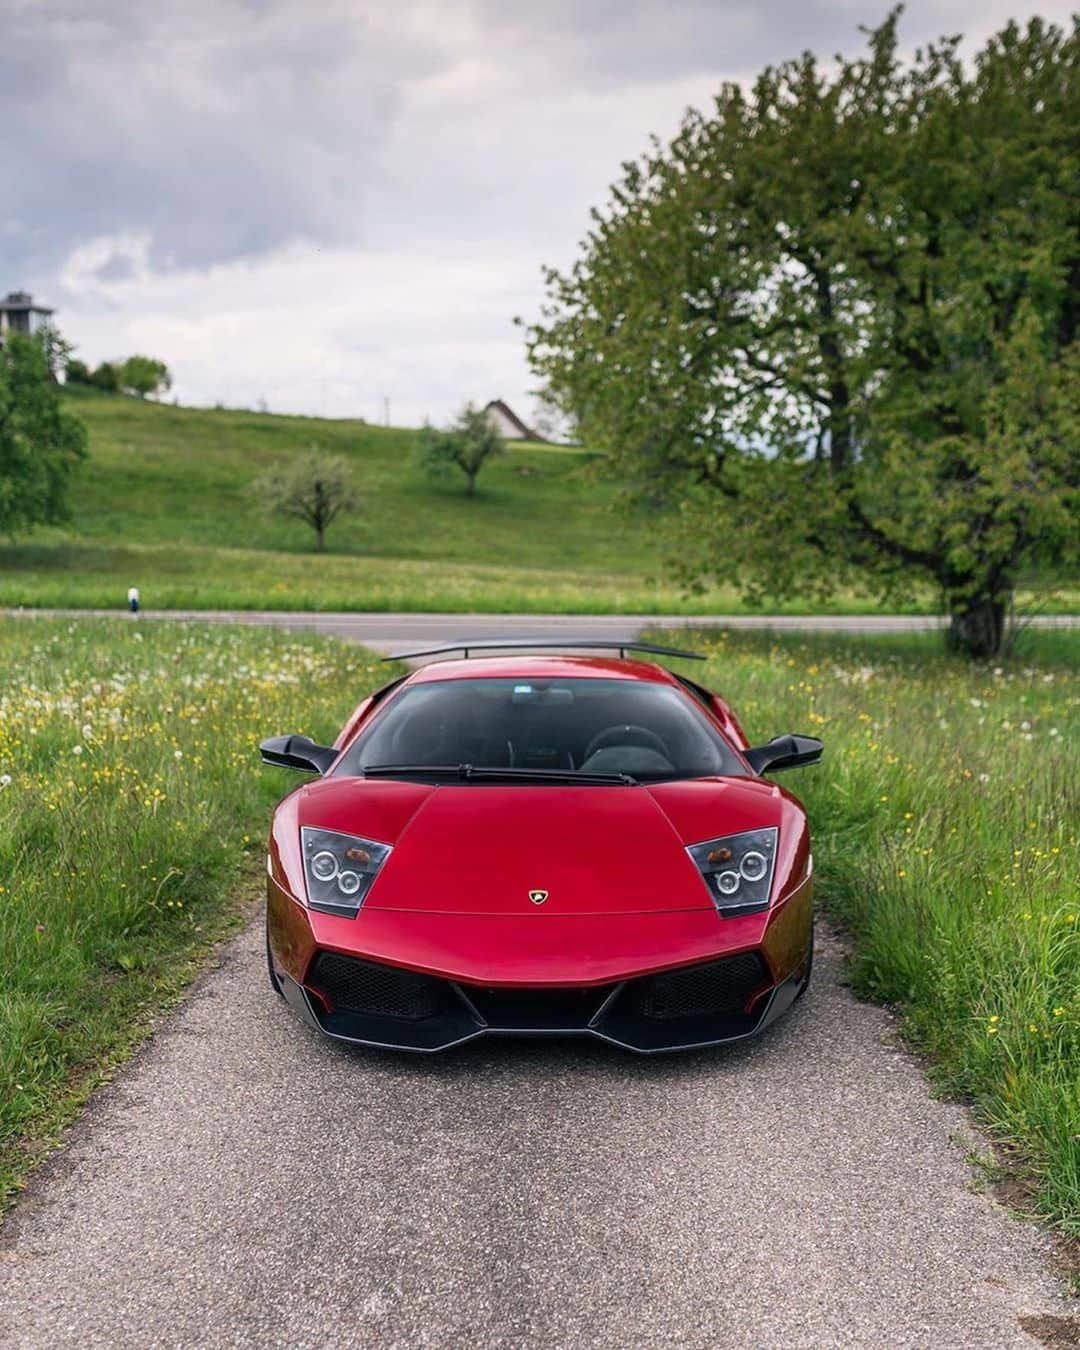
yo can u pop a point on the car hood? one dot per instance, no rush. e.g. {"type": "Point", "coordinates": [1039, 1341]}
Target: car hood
{"type": "Point", "coordinates": [548, 850]}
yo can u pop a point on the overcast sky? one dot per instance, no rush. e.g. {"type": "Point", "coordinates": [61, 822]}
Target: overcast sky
{"type": "Point", "coordinates": [327, 203]}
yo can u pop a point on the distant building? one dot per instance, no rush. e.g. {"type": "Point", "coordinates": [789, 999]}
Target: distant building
{"type": "Point", "coordinates": [507, 423]}
{"type": "Point", "coordinates": [19, 314]}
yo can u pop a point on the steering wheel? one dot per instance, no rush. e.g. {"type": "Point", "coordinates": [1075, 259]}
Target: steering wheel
{"type": "Point", "coordinates": [626, 734]}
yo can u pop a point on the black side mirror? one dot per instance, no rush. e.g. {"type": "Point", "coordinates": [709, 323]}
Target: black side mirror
{"type": "Point", "coordinates": [784, 752]}
{"type": "Point", "coordinates": [297, 752]}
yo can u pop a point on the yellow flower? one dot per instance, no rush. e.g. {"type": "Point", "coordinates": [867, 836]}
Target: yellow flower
{"type": "Point", "coordinates": [1033, 1028]}
{"type": "Point", "coordinates": [1059, 1011]}
{"type": "Point", "coordinates": [991, 1031]}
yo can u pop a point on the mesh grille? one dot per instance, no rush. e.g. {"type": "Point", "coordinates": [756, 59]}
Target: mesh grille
{"type": "Point", "coordinates": [719, 987]}
{"type": "Point", "coordinates": [374, 989]}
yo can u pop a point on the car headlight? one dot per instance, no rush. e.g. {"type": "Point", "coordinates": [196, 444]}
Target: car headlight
{"type": "Point", "coordinates": [738, 869]}
{"type": "Point", "coordinates": [339, 869]}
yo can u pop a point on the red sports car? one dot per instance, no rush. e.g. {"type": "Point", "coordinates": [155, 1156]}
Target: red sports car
{"type": "Point", "coordinates": [543, 844]}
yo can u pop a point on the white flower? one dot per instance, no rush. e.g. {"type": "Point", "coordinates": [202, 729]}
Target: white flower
{"type": "Point", "coordinates": [1053, 732]}
{"type": "Point", "coordinates": [1025, 726]}
{"type": "Point", "coordinates": [976, 702]}
{"type": "Point", "coordinates": [178, 754]}
{"type": "Point", "coordinates": [87, 731]}
{"type": "Point", "coordinates": [984, 778]}
{"type": "Point", "coordinates": [5, 780]}
{"type": "Point", "coordinates": [76, 749]}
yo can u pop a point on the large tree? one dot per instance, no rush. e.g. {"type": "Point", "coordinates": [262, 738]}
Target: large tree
{"type": "Point", "coordinates": [836, 321]}
{"type": "Point", "coordinates": [40, 441]}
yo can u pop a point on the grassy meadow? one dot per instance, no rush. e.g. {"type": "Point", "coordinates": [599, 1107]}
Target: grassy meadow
{"type": "Point", "coordinates": [946, 819]}
{"type": "Point", "coordinates": [133, 813]}
{"type": "Point", "coordinates": [164, 502]}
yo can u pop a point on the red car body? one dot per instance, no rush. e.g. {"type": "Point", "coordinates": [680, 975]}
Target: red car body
{"type": "Point", "coordinates": [627, 943]}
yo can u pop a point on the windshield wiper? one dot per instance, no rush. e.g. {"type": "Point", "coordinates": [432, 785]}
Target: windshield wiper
{"type": "Point", "coordinates": [476, 773]}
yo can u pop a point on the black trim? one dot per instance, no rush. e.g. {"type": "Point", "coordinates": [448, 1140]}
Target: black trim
{"type": "Point", "coordinates": [688, 1008]}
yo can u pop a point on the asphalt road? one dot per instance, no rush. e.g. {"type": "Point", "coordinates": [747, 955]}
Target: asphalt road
{"type": "Point", "coordinates": [244, 1183]}
{"type": "Point", "coordinates": [391, 632]}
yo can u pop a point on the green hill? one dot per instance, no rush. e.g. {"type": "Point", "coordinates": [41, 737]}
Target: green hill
{"type": "Point", "coordinates": [164, 502]}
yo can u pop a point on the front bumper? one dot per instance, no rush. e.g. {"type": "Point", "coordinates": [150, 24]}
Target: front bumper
{"type": "Point", "coordinates": [649, 983]}
{"type": "Point", "coordinates": [367, 1003]}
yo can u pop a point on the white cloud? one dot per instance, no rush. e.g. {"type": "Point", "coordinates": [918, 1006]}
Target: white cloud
{"type": "Point", "coordinates": [324, 203]}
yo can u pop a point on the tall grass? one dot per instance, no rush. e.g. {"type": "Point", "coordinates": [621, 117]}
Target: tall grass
{"type": "Point", "coordinates": [946, 817]}
{"type": "Point", "coordinates": [131, 799]}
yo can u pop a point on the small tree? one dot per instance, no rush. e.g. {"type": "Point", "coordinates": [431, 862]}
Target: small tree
{"type": "Point", "coordinates": [315, 489]}
{"type": "Point", "coordinates": [40, 441]}
{"type": "Point", "coordinates": [467, 445]}
{"type": "Point", "coordinates": [77, 372]}
{"type": "Point", "coordinates": [106, 377]}
{"type": "Point", "coordinates": [143, 375]}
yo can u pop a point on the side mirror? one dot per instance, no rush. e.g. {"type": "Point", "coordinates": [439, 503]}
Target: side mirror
{"type": "Point", "coordinates": [784, 752]}
{"type": "Point", "coordinates": [297, 752]}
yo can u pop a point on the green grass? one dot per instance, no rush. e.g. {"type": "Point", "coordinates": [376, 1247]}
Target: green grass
{"type": "Point", "coordinates": [946, 819]}
{"type": "Point", "coordinates": [164, 502]}
{"type": "Point", "coordinates": [131, 831]}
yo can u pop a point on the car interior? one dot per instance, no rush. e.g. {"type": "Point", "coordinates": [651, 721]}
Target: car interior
{"type": "Point", "coordinates": [610, 726]}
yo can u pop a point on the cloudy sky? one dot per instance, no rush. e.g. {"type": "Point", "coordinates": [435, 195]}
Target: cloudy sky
{"type": "Point", "coordinates": [325, 204]}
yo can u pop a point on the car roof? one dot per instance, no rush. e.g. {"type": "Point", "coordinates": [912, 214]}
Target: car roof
{"type": "Point", "coordinates": [543, 668]}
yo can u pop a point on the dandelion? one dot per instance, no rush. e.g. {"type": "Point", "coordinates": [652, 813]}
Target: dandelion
{"type": "Point", "coordinates": [5, 780]}
{"type": "Point", "coordinates": [984, 778]}
{"type": "Point", "coordinates": [87, 731]}
{"type": "Point", "coordinates": [76, 749]}
{"type": "Point", "coordinates": [178, 754]}
{"type": "Point", "coordinates": [991, 1031]}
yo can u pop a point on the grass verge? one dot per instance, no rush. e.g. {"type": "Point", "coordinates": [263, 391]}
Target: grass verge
{"type": "Point", "coordinates": [132, 808]}
{"type": "Point", "coordinates": [946, 818]}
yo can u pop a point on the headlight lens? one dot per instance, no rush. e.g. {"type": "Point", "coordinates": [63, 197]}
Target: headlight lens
{"type": "Point", "coordinates": [738, 869]}
{"type": "Point", "coordinates": [339, 869]}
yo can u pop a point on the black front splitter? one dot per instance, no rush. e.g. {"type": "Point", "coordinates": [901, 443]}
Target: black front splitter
{"type": "Point", "coordinates": [612, 1023]}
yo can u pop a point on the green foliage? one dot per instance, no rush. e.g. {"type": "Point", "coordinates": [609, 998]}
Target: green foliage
{"type": "Point", "coordinates": [315, 489]}
{"type": "Point", "coordinates": [836, 321]}
{"type": "Point", "coordinates": [946, 822]}
{"type": "Point", "coordinates": [130, 837]}
{"type": "Point", "coordinates": [76, 371]}
{"type": "Point", "coordinates": [466, 446]}
{"type": "Point", "coordinates": [40, 440]}
{"type": "Point", "coordinates": [106, 377]}
{"type": "Point", "coordinates": [143, 375]}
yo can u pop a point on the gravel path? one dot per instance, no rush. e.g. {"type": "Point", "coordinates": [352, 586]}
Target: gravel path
{"type": "Point", "coordinates": [244, 1183]}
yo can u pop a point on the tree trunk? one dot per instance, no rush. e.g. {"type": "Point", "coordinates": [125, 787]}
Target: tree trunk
{"type": "Point", "coordinates": [977, 628]}
{"type": "Point", "coordinates": [320, 539]}
{"type": "Point", "coordinates": [470, 485]}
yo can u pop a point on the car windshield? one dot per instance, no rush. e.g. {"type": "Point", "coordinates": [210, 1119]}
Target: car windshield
{"type": "Point", "coordinates": [640, 728]}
